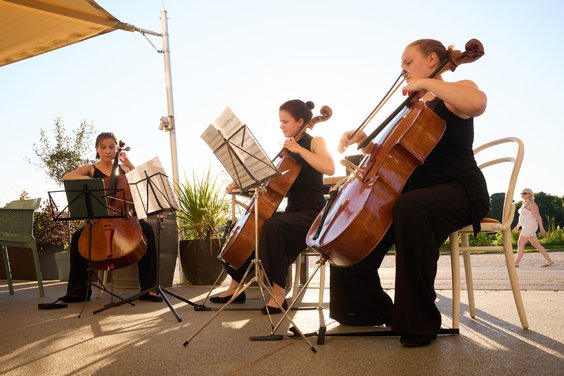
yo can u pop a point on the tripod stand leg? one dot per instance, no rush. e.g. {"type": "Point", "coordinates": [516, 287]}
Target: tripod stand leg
{"type": "Point", "coordinates": [215, 284]}
{"type": "Point", "coordinates": [322, 329]}
{"type": "Point", "coordinates": [99, 285]}
{"type": "Point", "coordinates": [260, 271]}
{"type": "Point", "coordinates": [274, 336]}
{"type": "Point", "coordinates": [158, 288]}
{"type": "Point", "coordinates": [197, 307]}
{"type": "Point", "coordinates": [165, 298]}
{"type": "Point", "coordinates": [116, 304]}
{"type": "Point", "coordinates": [238, 292]}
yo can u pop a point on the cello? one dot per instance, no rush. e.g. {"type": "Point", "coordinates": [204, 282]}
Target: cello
{"type": "Point", "coordinates": [359, 212]}
{"type": "Point", "coordinates": [241, 241]}
{"type": "Point", "coordinates": [115, 242]}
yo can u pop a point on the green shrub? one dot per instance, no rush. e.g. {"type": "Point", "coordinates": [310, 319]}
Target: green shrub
{"type": "Point", "coordinates": [204, 209]}
{"type": "Point", "coordinates": [50, 232]}
{"type": "Point", "coordinates": [554, 237]}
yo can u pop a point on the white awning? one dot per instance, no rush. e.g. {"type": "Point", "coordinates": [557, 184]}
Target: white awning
{"type": "Point", "coordinates": [29, 27]}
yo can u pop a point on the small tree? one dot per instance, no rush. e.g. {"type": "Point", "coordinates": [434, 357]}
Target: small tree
{"type": "Point", "coordinates": [67, 153]}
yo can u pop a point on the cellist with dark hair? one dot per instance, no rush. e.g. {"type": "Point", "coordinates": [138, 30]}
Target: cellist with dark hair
{"type": "Point", "coordinates": [444, 194]}
{"type": "Point", "coordinates": [283, 235]}
{"type": "Point", "coordinates": [106, 156]}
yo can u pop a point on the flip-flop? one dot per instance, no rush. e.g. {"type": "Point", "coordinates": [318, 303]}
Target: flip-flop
{"type": "Point", "coordinates": [52, 305]}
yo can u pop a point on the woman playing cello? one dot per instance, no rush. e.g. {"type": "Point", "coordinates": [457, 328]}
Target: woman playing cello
{"type": "Point", "coordinates": [283, 235]}
{"type": "Point", "coordinates": [444, 194]}
{"type": "Point", "coordinates": [77, 289]}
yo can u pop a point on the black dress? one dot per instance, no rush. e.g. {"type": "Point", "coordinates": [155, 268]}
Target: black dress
{"type": "Point", "coordinates": [77, 285]}
{"type": "Point", "coordinates": [283, 235]}
{"type": "Point", "coordinates": [444, 194]}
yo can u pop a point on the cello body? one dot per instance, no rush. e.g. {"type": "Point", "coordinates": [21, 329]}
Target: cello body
{"type": "Point", "coordinates": [360, 213]}
{"type": "Point", "coordinates": [114, 243]}
{"type": "Point", "coordinates": [241, 241]}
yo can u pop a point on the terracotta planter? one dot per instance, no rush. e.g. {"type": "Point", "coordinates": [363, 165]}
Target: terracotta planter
{"type": "Point", "coordinates": [199, 263]}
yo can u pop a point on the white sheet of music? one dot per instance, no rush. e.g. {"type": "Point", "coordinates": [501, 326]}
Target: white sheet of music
{"type": "Point", "coordinates": [159, 196]}
{"type": "Point", "coordinates": [237, 150]}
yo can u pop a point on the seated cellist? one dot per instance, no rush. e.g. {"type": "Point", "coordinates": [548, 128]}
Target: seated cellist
{"type": "Point", "coordinates": [283, 235]}
{"type": "Point", "coordinates": [77, 288]}
{"type": "Point", "coordinates": [444, 194]}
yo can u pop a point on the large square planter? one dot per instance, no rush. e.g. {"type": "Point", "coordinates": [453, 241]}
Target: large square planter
{"type": "Point", "coordinates": [168, 240]}
{"type": "Point", "coordinates": [199, 263]}
{"type": "Point", "coordinates": [22, 265]}
{"type": "Point", "coordinates": [128, 277]}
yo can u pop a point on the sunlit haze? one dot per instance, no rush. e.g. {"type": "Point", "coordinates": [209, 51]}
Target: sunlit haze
{"type": "Point", "coordinates": [252, 55]}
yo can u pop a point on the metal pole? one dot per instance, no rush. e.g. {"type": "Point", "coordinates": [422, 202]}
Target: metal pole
{"type": "Point", "coordinates": [171, 124]}
{"type": "Point", "coordinates": [170, 102]}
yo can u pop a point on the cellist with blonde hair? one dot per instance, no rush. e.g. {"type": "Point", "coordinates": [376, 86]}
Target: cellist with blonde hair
{"type": "Point", "coordinates": [444, 194]}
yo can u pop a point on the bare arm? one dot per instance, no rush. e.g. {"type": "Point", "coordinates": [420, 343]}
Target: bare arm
{"type": "Point", "coordinates": [318, 158]}
{"type": "Point", "coordinates": [463, 97]}
{"type": "Point", "coordinates": [84, 171]}
{"type": "Point", "coordinates": [536, 212]}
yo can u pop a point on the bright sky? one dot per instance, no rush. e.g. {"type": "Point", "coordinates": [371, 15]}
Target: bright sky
{"type": "Point", "coordinates": [252, 55]}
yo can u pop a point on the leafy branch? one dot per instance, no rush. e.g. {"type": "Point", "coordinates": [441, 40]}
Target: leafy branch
{"type": "Point", "coordinates": [67, 153]}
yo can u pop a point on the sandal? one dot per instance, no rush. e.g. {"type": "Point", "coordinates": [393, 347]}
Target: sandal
{"type": "Point", "coordinates": [546, 264]}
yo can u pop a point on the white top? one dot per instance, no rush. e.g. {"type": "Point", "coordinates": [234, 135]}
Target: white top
{"type": "Point", "coordinates": [528, 222]}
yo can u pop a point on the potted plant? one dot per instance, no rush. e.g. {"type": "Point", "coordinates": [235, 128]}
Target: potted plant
{"type": "Point", "coordinates": [203, 214]}
{"type": "Point", "coordinates": [53, 242]}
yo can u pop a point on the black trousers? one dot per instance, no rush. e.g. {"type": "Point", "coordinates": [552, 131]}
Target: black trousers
{"type": "Point", "coordinates": [77, 284]}
{"type": "Point", "coordinates": [422, 220]}
{"type": "Point", "coordinates": [282, 240]}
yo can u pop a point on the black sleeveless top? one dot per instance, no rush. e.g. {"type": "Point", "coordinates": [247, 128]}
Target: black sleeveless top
{"type": "Point", "coordinates": [99, 174]}
{"type": "Point", "coordinates": [307, 190]}
{"type": "Point", "coordinates": [453, 159]}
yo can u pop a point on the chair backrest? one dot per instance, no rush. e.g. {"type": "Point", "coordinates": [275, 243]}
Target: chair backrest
{"type": "Point", "coordinates": [16, 221]}
{"type": "Point", "coordinates": [24, 204]}
{"type": "Point", "coordinates": [516, 159]}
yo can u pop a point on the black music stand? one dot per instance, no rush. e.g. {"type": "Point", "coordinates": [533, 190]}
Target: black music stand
{"type": "Point", "coordinates": [86, 200]}
{"type": "Point", "coordinates": [156, 199]}
{"type": "Point", "coordinates": [249, 166]}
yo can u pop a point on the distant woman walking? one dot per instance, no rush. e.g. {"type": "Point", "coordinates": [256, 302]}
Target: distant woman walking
{"type": "Point", "coordinates": [530, 221]}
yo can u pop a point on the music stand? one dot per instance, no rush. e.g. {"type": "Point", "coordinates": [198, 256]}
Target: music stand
{"type": "Point", "coordinates": [153, 196]}
{"type": "Point", "coordinates": [249, 166]}
{"type": "Point", "coordinates": [86, 200]}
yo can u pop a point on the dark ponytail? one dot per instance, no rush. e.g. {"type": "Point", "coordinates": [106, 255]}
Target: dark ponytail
{"type": "Point", "coordinates": [299, 109]}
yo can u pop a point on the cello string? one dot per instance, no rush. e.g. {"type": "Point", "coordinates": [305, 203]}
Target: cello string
{"type": "Point", "coordinates": [381, 104]}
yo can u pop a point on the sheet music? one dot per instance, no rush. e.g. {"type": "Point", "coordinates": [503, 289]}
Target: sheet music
{"type": "Point", "coordinates": [148, 200]}
{"type": "Point", "coordinates": [238, 151]}
{"type": "Point", "coordinates": [227, 123]}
